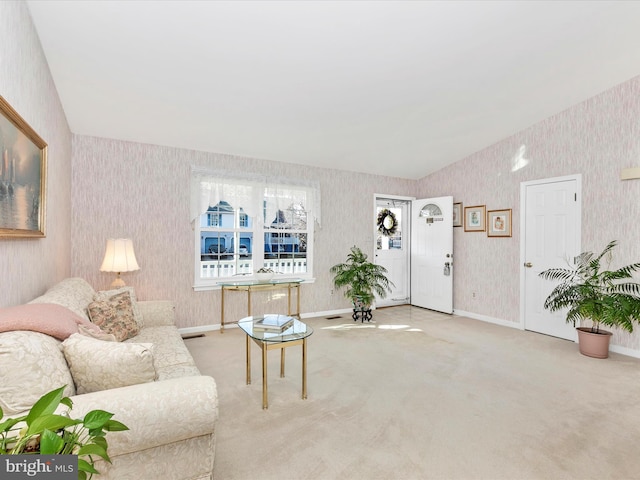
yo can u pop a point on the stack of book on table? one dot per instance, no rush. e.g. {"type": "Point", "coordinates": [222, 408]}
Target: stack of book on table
{"type": "Point", "coordinates": [273, 323]}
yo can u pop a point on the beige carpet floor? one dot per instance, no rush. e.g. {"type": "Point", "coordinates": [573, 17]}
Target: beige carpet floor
{"type": "Point", "coordinates": [422, 395]}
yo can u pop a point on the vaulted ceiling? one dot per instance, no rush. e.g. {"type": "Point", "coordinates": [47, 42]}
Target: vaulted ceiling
{"type": "Point", "coordinates": [397, 88]}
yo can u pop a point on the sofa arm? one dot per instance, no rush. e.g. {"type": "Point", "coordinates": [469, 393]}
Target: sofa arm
{"type": "Point", "coordinates": [157, 313]}
{"type": "Point", "coordinates": [156, 413]}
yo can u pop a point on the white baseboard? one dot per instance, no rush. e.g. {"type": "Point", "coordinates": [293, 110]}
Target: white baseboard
{"type": "Point", "coordinates": [613, 348]}
{"type": "Point", "coordinates": [486, 318]}
{"type": "Point", "coordinates": [624, 351]}
{"type": "Point", "coordinates": [187, 331]}
{"type": "Point", "coordinates": [327, 313]}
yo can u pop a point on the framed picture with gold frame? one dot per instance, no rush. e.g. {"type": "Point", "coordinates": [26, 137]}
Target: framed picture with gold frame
{"type": "Point", "coordinates": [499, 223]}
{"type": "Point", "coordinates": [474, 218]}
{"type": "Point", "coordinates": [457, 214]}
{"type": "Point", "coordinates": [23, 176]}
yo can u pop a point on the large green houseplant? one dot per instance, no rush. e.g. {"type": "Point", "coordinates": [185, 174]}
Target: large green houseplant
{"type": "Point", "coordinates": [42, 431]}
{"type": "Point", "coordinates": [361, 280]}
{"type": "Point", "coordinates": [592, 292]}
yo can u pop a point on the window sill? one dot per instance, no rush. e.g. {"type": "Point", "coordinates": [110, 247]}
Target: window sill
{"type": "Point", "coordinates": [214, 286]}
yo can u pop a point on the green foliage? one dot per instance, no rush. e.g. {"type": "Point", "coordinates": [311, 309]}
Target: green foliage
{"type": "Point", "coordinates": [360, 277]}
{"type": "Point", "coordinates": [41, 431]}
{"type": "Point", "coordinates": [590, 291]}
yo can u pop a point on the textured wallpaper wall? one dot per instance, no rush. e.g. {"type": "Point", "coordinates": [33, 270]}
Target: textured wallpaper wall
{"type": "Point", "coordinates": [124, 189]}
{"type": "Point", "coordinates": [141, 191]}
{"type": "Point", "coordinates": [597, 138]}
{"type": "Point", "coordinates": [30, 266]}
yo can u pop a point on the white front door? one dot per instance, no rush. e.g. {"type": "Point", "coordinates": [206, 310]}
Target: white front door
{"type": "Point", "coordinates": [432, 254]}
{"type": "Point", "coordinates": [551, 234]}
{"type": "Point", "coordinates": [392, 248]}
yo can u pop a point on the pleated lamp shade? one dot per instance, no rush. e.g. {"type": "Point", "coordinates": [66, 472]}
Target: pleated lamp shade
{"type": "Point", "coordinates": [119, 257]}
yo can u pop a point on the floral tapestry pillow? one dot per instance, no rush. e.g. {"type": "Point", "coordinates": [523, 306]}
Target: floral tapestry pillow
{"type": "Point", "coordinates": [115, 315]}
{"type": "Point", "coordinates": [107, 294]}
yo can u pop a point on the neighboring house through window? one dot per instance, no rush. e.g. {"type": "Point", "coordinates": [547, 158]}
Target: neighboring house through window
{"type": "Point", "coordinates": [247, 222]}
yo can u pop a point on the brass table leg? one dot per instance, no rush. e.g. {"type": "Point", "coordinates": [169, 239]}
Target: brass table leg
{"type": "Point", "coordinates": [265, 347]}
{"type": "Point", "coordinates": [248, 360]}
{"type": "Point", "coordinates": [282, 362]}
{"type": "Point", "coordinates": [297, 288]}
{"type": "Point", "coordinates": [304, 368]}
{"type": "Point", "coordinates": [222, 310]}
{"type": "Point", "coordinates": [265, 403]}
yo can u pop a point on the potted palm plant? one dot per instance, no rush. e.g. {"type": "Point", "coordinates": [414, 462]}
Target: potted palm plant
{"type": "Point", "coordinates": [362, 280]}
{"type": "Point", "coordinates": [590, 291]}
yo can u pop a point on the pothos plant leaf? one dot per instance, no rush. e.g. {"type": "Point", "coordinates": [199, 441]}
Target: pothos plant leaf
{"type": "Point", "coordinates": [96, 419]}
{"type": "Point", "coordinates": [45, 405]}
{"type": "Point", "coordinates": [47, 432]}
{"type": "Point", "coordinates": [50, 443]}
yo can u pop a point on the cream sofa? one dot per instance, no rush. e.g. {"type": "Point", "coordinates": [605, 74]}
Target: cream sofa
{"type": "Point", "coordinates": [171, 420]}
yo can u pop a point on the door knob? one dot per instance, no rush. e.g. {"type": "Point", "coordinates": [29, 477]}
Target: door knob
{"type": "Point", "coordinates": [528, 264]}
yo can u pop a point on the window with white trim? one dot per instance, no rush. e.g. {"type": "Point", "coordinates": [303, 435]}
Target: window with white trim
{"type": "Point", "coordinates": [243, 223]}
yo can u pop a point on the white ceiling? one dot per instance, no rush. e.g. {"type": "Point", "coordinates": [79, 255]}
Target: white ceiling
{"type": "Point", "coordinates": [392, 88]}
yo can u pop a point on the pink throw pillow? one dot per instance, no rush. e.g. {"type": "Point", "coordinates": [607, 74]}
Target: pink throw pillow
{"type": "Point", "coordinates": [48, 318]}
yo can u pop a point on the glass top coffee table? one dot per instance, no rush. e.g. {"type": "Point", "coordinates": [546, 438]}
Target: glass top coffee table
{"type": "Point", "coordinates": [294, 333]}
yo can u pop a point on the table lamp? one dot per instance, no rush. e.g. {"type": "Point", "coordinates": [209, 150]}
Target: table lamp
{"type": "Point", "coordinates": [119, 257]}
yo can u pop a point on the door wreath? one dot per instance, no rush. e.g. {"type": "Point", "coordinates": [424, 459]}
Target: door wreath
{"type": "Point", "coordinates": [387, 222]}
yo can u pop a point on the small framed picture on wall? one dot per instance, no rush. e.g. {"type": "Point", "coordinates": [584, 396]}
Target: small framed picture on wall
{"type": "Point", "coordinates": [474, 218]}
{"type": "Point", "coordinates": [499, 222]}
{"type": "Point", "coordinates": [457, 214]}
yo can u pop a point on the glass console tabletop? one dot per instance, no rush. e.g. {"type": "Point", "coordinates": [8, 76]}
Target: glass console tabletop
{"type": "Point", "coordinates": [295, 334]}
{"type": "Point", "coordinates": [249, 286]}
{"type": "Point", "coordinates": [256, 283]}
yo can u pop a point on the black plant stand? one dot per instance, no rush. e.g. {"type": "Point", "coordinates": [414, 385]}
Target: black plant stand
{"type": "Point", "coordinates": [362, 310]}
{"type": "Point", "coordinates": [363, 313]}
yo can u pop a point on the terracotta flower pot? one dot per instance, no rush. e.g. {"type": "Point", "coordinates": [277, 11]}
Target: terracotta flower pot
{"type": "Point", "coordinates": [592, 344]}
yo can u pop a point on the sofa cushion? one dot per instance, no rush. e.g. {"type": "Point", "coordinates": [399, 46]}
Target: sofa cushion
{"type": "Point", "coordinates": [32, 365]}
{"type": "Point", "coordinates": [107, 294]}
{"type": "Point", "coordinates": [73, 293]}
{"type": "Point", "coordinates": [100, 335]}
{"type": "Point", "coordinates": [170, 354]}
{"type": "Point", "coordinates": [97, 365]}
{"type": "Point", "coordinates": [115, 315]}
{"type": "Point", "coordinates": [48, 318]}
